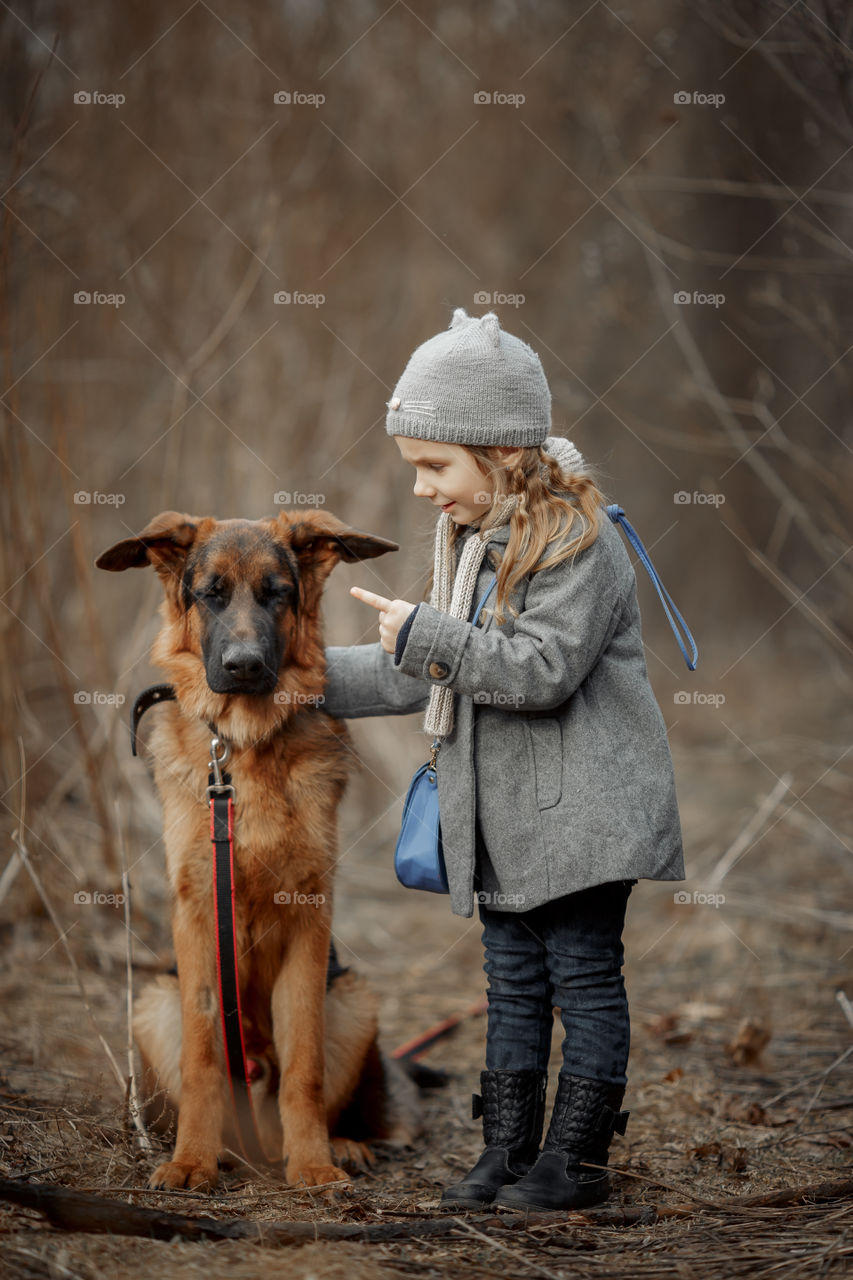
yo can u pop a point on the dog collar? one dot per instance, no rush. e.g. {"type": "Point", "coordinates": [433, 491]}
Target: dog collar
{"type": "Point", "coordinates": [150, 697]}
{"type": "Point", "coordinates": [155, 693]}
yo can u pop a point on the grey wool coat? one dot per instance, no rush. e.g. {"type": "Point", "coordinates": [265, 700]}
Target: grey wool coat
{"type": "Point", "coordinates": [558, 748]}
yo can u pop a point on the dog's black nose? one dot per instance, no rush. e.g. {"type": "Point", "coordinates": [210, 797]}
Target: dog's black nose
{"type": "Point", "coordinates": [243, 661]}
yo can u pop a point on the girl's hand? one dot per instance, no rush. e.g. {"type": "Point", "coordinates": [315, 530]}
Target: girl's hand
{"type": "Point", "coordinates": [392, 615]}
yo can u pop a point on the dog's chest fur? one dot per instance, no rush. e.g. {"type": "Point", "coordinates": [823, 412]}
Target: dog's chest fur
{"type": "Point", "coordinates": [287, 792]}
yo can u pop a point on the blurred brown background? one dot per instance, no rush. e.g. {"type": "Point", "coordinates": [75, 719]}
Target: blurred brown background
{"type": "Point", "coordinates": [657, 197]}
{"type": "Point", "coordinates": [577, 167]}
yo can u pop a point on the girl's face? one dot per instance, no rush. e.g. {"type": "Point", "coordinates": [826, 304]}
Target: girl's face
{"type": "Point", "coordinates": [449, 478]}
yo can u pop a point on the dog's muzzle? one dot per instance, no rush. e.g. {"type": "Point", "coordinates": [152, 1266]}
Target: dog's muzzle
{"type": "Point", "coordinates": [243, 668]}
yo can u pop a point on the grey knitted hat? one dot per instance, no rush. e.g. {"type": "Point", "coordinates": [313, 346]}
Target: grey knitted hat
{"type": "Point", "coordinates": [472, 384]}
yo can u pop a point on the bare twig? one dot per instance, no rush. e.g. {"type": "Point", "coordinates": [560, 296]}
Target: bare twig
{"type": "Point", "coordinates": [800, 513]}
{"type": "Point", "coordinates": [746, 38]}
{"type": "Point", "coordinates": [132, 1091]}
{"type": "Point", "coordinates": [816, 1075]}
{"type": "Point", "coordinates": [846, 1006]}
{"type": "Point", "coordinates": [729, 187]}
{"type": "Point", "coordinates": [183, 390]}
{"type": "Point", "coordinates": [48, 906]}
{"type": "Point", "coordinates": [523, 1265]}
{"type": "Point", "coordinates": [774, 575]}
{"type": "Point", "coordinates": [744, 840]}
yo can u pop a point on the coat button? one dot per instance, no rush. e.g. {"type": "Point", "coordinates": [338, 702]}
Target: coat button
{"type": "Point", "coordinates": [438, 670]}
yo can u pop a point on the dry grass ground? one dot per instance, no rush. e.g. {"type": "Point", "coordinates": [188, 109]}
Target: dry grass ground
{"type": "Point", "coordinates": [710, 1120]}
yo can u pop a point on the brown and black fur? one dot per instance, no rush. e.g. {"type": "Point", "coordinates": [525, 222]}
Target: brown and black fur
{"type": "Point", "coordinates": [241, 642]}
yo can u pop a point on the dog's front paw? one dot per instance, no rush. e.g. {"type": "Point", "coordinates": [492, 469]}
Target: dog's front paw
{"type": "Point", "coordinates": [319, 1175]}
{"type": "Point", "coordinates": [175, 1174]}
{"type": "Point", "coordinates": [353, 1155]}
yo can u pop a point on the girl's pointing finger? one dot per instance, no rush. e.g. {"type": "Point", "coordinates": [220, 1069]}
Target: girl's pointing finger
{"type": "Point", "coordinates": [369, 597]}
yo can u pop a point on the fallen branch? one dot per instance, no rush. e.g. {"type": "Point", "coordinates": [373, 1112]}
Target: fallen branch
{"type": "Point", "coordinates": [76, 1211]}
{"type": "Point", "coordinates": [414, 1049]}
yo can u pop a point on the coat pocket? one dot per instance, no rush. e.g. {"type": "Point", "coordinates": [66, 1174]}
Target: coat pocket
{"type": "Point", "coordinates": [547, 737]}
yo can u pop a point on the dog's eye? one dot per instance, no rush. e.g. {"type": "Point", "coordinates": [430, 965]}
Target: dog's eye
{"type": "Point", "coordinates": [213, 595]}
{"type": "Point", "coordinates": [275, 593]}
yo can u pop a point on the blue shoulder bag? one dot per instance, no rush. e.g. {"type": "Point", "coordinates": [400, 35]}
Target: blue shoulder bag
{"type": "Point", "coordinates": [419, 855]}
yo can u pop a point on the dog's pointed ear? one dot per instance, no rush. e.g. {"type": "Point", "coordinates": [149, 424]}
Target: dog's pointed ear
{"type": "Point", "coordinates": [164, 543]}
{"type": "Point", "coordinates": [322, 536]}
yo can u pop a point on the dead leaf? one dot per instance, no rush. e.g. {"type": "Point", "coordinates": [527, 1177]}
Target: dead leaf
{"type": "Point", "coordinates": [743, 1111]}
{"type": "Point", "coordinates": [751, 1038]}
{"type": "Point", "coordinates": [665, 1028]}
{"type": "Point", "coordinates": [734, 1159]}
{"type": "Point", "coordinates": [663, 1024]}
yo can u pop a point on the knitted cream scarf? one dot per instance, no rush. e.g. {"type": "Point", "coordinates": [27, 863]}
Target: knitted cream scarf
{"type": "Point", "coordinates": [455, 598]}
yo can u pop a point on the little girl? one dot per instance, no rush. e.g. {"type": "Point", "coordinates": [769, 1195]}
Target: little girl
{"type": "Point", "coordinates": [556, 785]}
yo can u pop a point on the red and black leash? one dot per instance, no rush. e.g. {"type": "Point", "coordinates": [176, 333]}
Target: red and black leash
{"type": "Point", "coordinates": [220, 794]}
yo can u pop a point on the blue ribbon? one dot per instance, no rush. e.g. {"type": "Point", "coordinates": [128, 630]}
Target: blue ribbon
{"type": "Point", "coordinates": [617, 515]}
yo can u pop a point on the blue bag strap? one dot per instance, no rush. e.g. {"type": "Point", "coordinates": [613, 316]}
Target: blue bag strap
{"type": "Point", "coordinates": [617, 515]}
{"type": "Point", "coordinates": [436, 742]}
{"type": "Point", "coordinates": [484, 597]}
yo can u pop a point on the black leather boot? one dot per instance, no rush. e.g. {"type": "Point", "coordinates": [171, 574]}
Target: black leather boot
{"type": "Point", "coordinates": [586, 1115]}
{"type": "Point", "coordinates": [512, 1105]}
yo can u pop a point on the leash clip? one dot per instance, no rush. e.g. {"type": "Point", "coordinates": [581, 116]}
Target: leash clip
{"type": "Point", "coordinates": [217, 763]}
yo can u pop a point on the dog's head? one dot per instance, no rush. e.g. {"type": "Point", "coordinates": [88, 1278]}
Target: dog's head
{"type": "Point", "coordinates": [242, 640]}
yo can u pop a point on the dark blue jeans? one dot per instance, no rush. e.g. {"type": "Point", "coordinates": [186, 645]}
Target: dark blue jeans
{"type": "Point", "coordinates": [568, 953]}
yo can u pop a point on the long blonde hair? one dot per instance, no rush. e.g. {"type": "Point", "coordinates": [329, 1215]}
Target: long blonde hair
{"type": "Point", "coordinates": [548, 508]}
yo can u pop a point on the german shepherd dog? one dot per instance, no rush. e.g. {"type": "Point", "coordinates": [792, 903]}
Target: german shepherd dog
{"type": "Point", "coordinates": [241, 644]}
